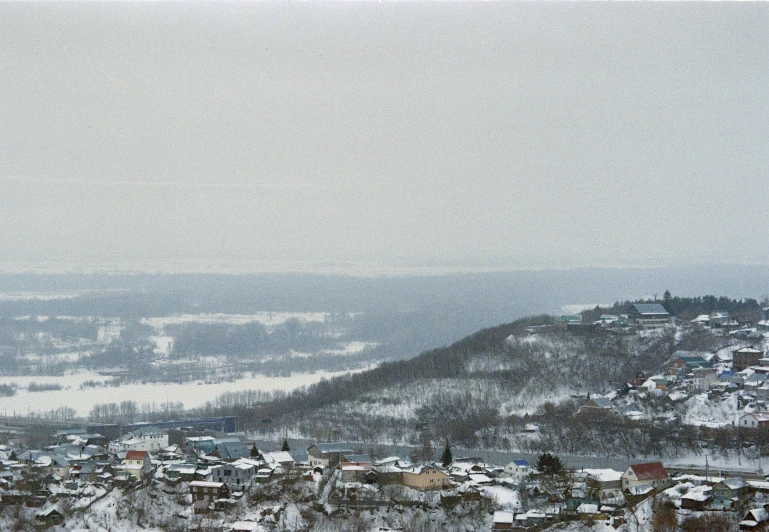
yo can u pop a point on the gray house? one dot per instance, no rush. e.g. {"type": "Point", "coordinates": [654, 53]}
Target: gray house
{"type": "Point", "coordinates": [648, 315]}
{"type": "Point", "coordinates": [236, 474]}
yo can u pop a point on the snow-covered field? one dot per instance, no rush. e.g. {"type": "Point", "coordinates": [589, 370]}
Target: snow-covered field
{"type": "Point", "coordinates": [192, 394]}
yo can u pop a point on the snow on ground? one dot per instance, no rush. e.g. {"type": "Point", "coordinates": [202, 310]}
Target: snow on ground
{"type": "Point", "coordinates": [56, 358]}
{"type": "Point", "coordinates": [351, 348]}
{"type": "Point", "coordinates": [702, 412]}
{"type": "Point", "coordinates": [507, 498]}
{"type": "Point", "coordinates": [265, 318]}
{"type": "Point", "coordinates": [163, 344]}
{"type": "Point", "coordinates": [191, 394]}
{"type": "Point", "coordinates": [528, 403]}
{"type": "Point", "coordinates": [718, 462]}
{"type": "Point", "coordinates": [40, 296]}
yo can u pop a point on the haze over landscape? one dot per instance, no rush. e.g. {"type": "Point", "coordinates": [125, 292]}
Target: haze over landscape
{"type": "Point", "coordinates": [262, 261]}
{"type": "Point", "coordinates": [382, 137]}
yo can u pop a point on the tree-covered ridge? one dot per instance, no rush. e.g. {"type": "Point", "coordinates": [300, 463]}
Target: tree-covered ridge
{"type": "Point", "coordinates": [475, 389]}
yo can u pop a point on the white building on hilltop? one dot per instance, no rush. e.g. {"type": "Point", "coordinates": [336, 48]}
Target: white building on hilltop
{"type": "Point", "coordinates": [148, 439]}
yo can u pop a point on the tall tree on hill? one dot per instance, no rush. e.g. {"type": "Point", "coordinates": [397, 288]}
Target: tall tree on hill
{"type": "Point", "coordinates": [446, 457]}
{"type": "Point", "coordinates": [285, 446]}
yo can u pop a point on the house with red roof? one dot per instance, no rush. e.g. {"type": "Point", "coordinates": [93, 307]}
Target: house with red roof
{"type": "Point", "coordinates": [136, 463]}
{"type": "Point", "coordinates": [651, 475]}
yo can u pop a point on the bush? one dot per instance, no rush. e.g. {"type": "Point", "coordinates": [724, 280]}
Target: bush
{"type": "Point", "coordinates": [43, 387]}
{"type": "Point", "coordinates": [710, 522]}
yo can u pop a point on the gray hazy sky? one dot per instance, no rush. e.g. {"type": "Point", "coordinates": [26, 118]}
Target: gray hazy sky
{"type": "Point", "coordinates": [305, 135]}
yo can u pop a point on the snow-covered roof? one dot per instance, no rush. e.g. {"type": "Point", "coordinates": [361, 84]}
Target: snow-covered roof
{"type": "Point", "coordinates": [758, 515]}
{"type": "Point", "coordinates": [501, 516]}
{"type": "Point", "coordinates": [331, 447]}
{"type": "Point", "coordinates": [735, 482]}
{"type": "Point", "coordinates": [277, 457]}
{"type": "Point", "coordinates": [245, 526]}
{"type": "Point", "coordinates": [604, 475]}
{"type": "Point", "coordinates": [698, 493]}
{"type": "Point", "coordinates": [751, 350]}
{"type": "Point", "coordinates": [206, 484]}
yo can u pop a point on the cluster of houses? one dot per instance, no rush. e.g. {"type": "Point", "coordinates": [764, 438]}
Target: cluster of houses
{"type": "Point", "coordinates": [603, 494]}
{"type": "Point", "coordinates": [739, 370]}
{"type": "Point", "coordinates": [217, 471]}
{"type": "Point", "coordinates": [638, 316]}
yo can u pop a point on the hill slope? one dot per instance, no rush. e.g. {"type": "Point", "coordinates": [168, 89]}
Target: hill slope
{"type": "Point", "coordinates": [478, 391]}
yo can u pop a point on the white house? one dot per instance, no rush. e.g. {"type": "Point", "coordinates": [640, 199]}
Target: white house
{"type": "Point", "coordinates": [149, 439]}
{"type": "Point", "coordinates": [517, 469]}
{"type": "Point", "coordinates": [651, 475]}
{"type": "Point", "coordinates": [755, 420]}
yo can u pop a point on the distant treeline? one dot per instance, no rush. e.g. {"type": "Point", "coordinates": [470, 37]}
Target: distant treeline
{"type": "Point", "coordinates": [28, 329]}
{"type": "Point", "coordinates": [250, 338]}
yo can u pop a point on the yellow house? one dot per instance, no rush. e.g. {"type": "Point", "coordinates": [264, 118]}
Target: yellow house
{"type": "Point", "coordinates": [426, 477]}
{"type": "Point", "coordinates": [137, 464]}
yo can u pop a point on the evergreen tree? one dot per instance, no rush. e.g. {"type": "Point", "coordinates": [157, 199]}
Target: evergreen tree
{"type": "Point", "coordinates": [446, 457]}
{"type": "Point", "coordinates": [285, 446]}
{"type": "Point", "coordinates": [549, 464]}
{"type": "Point", "coordinates": [254, 452]}
{"type": "Point", "coordinates": [667, 301]}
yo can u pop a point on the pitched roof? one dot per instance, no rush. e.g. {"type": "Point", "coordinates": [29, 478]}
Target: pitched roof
{"type": "Point", "coordinates": [332, 448]}
{"type": "Point", "coordinates": [751, 350]}
{"type": "Point", "coordinates": [232, 450]}
{"type": "Point", "coordinates": [364, 457]}
{"type": "Point", "coordinates": [735, 483]}
{"type": "Point", "coordinates": [278, 456]}
{"type": "Point", "coordinates": [600, 402]}
{"type": "Point", "coordinates": [650, 471]}
{"type": "Point", "coordinates": [759, 416]}
{"type": "Point", "coordinates": [650, 308]}
{"type": "Point", "coordinates": [136, 455]}
{"type": "Point", "coordinates": [503, 517]}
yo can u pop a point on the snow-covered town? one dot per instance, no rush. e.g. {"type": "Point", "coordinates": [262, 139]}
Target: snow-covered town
{"type": "Point", "coordinates": [227, 484]}
{"type": "Point", "coordinates": [205, 474]}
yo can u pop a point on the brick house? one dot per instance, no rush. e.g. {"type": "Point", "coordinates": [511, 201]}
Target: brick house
{"type": "Point", "coordinates": [208, 491]}
{"type": "Point", "coordinates": [745, 357]}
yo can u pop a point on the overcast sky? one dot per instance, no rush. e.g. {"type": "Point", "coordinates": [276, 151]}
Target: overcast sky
{"type": "Point", "coordinates": [311, 135]}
